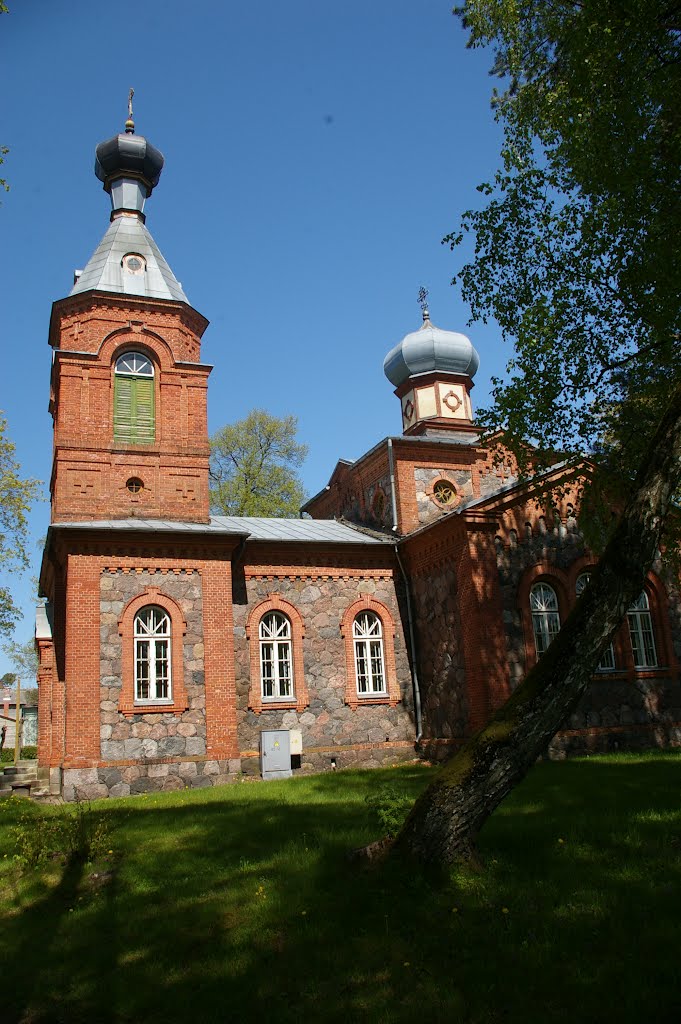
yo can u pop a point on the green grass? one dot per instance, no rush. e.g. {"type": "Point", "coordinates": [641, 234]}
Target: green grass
{"type": "Point", "coordinates": [238, 905]}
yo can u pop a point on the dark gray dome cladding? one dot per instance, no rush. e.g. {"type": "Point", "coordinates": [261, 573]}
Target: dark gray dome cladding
{"type": "Point", "coordinates": [128, 154]}
{"type": "Point", "coordinates": [429, 350]}
{"type": "Point", "coordinates": [127, 260]}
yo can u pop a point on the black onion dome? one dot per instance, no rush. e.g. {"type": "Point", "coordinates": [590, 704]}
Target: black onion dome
{"type": "Point", "coordinates": [128, 154]}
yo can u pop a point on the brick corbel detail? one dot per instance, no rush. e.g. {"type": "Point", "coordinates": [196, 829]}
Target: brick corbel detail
{"type": "Point", "coordinates": [301, 697]}
{"type": "Point", "coordinates": [178, 628]}
{"type": "Point", "coordinates": [366, 602]}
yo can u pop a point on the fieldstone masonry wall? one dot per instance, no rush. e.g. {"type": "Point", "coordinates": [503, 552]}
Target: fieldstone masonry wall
{"type": "Point", "coordinates": [620, 710]}
{"type": "Point", "coordinates": [148, 739]}
{"type": "Point", "coordinates": [371, 734]}
{"type": "Point", "coordinates": [441, 667]}
{"type": "Point", "coordinates": [429, 510]}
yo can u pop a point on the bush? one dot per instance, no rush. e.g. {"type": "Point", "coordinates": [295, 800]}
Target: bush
{"type": "Point", "coordinates": [27, 754]}
{"type": "Point", "coordinates": [391, 806]}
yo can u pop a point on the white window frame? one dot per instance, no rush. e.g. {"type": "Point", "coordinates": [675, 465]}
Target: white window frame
{"type": "Point", "coordinates": [367, 635]}
{"type": "Point", "coordinates": [152, 639]}
{"type": "Point", "coordinates": [545, 616]}
{"type": "Point", "coordinates": [607, 662]}
{"type": "Point", "coordinates": [641, 633]}
{"type": "Point", "coordinates": [134, 364]}
{"type": "Point", "coordinates": [276, 658]}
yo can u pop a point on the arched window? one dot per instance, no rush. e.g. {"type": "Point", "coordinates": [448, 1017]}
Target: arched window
{"type": "Point", "coordinates": [641, 633]}
{"type": "Point", "coordinates": [545, 616]}
{"type": "Point", "coordinates": [153, 681]}
{"type": "Point", "coordinates": [367, 634]}
{"type": "Point", "coordinates": [607, 662]}
{"type": "Point", "coordinates": [276, 661]}
{"type": "Point", "coordinates": [134, 415]}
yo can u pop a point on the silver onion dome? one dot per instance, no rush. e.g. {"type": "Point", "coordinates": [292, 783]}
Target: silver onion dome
{"type": "Point", "coordinates": [428, 350]}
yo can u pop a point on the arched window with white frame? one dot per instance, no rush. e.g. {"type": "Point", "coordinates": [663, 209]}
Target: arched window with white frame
{"type": "Point", "coordinates": [152, 638]}
{"type": "Point", "coordinates": [607, 662]}
{"type": "Point", "coordinates": [641, 633]}
{"type": "Point", "coordinates": [545, 616]}
{"type": "Point", "coordinates": [367, 634]}
{"type": "Point", "coordinates": [276, 661]}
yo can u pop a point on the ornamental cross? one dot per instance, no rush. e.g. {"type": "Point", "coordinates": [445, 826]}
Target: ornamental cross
{"type": "Point", "coordinates": [130, 96]}
{"type": "Point", "coordinates": [423, 299]}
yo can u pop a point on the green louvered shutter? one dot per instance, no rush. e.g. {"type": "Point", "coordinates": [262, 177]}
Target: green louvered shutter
{"type": "Point", "coordinates": [123, 388]}
{"type": "Point", "coordinates": [134, 420]}
{"type": "Point", "coordinates": [143, 411]}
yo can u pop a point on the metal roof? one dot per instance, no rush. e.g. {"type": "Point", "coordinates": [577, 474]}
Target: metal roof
{"type": "Point", "coordinates": [327, 531]}
{"type": "Point", "coordinates": [104, 270]}
{"type": "Point", "coordinates": [321, 531]}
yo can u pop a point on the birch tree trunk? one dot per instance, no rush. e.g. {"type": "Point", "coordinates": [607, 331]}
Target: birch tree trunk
{"type": "Point", "coordinates": [445, 821]}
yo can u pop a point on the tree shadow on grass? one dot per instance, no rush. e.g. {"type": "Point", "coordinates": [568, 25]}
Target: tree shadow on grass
{"type": "Point", "coordinates": [242, 908]}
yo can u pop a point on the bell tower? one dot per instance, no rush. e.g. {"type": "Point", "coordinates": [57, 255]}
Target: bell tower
{"type": "Point", "coordinates": [128, 388]}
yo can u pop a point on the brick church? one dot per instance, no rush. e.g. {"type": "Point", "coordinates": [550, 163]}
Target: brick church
{"type": "Point", "coordinates": [386, 623]}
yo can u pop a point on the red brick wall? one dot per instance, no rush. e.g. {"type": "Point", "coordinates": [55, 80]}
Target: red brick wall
{"type": "Point", "coordinates": [90, 468]}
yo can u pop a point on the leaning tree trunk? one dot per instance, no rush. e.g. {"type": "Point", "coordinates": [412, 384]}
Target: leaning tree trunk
{"type": "Point", "coordinates": [445, 821]}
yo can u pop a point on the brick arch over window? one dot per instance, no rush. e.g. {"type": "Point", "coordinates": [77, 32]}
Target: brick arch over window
{"type": "Point", "coordinates": [366, 602]}
{"type": "Point", "coordinates": [149, 342]}
{"type": "Point", "coordinates": [560, 583]}
{"type": "Point", "coordinates": [300, 699]}
{"type": "Point", "coordinates": [126, 628]}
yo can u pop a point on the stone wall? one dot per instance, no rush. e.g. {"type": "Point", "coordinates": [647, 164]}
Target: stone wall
{"type": "Point", "coordinates": [442, 677]}
{"type": "Point", "coordinates": [371, 734]}
{"type": "Point", "coordinates": [156, 742]}
{"type": "Point", "coordinates": [622, 709]}
{"type": "Point", "coordinates": [427, 509]}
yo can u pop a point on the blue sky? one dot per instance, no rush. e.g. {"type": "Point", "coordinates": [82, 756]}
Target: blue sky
{"type": "Point", "coordinates": [316, 154]}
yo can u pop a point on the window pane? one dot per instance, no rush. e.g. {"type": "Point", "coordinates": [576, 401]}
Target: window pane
{"type": "Point", "coordinates": [361, 666]}
{"type": "Point", "coordinates": [267, 669]}
{"type": "Point", "coordinates": [545, 617]}
{"type": "Point", "coordinates": [142, 670]}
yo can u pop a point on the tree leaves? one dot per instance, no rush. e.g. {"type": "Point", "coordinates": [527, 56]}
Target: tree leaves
{"type": "Point", "coordinates": [16, 498]}
{"type": "Point", "coordinates": [252, 468]}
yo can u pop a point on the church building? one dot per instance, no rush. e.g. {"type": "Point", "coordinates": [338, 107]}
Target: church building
{"type": "Point", "coordinates": [178, 648]}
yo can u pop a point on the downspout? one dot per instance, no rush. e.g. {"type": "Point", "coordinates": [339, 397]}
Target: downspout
{"type": "Point", "coordinates": [410, 617]}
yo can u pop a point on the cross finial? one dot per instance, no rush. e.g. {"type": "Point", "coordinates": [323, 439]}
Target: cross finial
{"type": "Point", "coordinates": [130, 124]}
{"type": "Point", "coordinates": [423, 302]}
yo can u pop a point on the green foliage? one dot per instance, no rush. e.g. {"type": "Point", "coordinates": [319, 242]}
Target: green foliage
{"type": "Point", "coordinates": [577, 248]}
{"type": "Point", "coordinates": [390, 806]}
{"type": "Point", "coordinates": [253, 467]}
{"type": "Point", "coordinates": [76, 832]}
{"type": "Point", "coordinates": [27, 753]}
{"type": "Point", "coordinates": [16, 498]}
{"type": "Point", "coordinates": [24, 658]}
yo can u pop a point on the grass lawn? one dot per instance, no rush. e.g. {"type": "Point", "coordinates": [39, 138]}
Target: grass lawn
{"type": "Point", "coordinates": [238, 905]}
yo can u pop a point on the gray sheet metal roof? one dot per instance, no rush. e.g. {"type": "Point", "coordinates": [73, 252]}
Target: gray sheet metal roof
{"type": "Point", "coordinates": [104, 272]}
{"type": "Point", "coordinates": [311, 530]}
{"type": "Point", "coordinates": [321, 531]}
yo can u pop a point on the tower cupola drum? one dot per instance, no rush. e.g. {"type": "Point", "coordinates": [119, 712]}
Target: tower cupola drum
{"type": "Point", "coordinates": [432, 371]}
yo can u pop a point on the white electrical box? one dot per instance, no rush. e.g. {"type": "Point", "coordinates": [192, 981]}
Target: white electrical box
{"type": "Point", "coordinates": [296, 740]}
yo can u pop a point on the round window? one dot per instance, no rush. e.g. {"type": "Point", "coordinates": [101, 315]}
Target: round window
{"type": "Point", "coordinates": [133, 263]}
{"type": "Point", "coordinates": [134, 485]}
{"type": "Point", "coordinates": [444, 492]}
